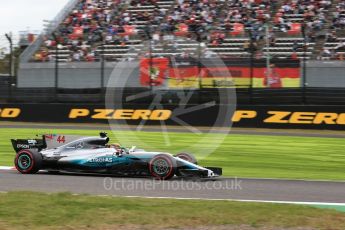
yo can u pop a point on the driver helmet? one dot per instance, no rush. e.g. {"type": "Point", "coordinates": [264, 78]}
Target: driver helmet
{"type": "Point", "coordinates": [115, 146]}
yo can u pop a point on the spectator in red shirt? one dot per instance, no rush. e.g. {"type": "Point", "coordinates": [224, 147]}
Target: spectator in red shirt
{"type": "Point", "coordinates": [272, 78]}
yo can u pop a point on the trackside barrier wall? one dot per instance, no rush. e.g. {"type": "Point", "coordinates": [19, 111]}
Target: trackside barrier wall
{"type": "Point", "coordinates": [88, 75]}
{"type": "Point", "coordinates": [291, 117]}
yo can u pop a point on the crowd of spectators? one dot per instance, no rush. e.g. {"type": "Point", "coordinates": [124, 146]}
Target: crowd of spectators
{"type": "Point", "coordinates": [309, 12]}
{"type": "Point", "coordinates": [221, 16]}
{"type": "Point", "coordinates": [193, 18]}
{"type": "Point", "coordinates": [143, 2]}
{"type": "Point", "coordinates": [333, 54]}
{"type": "Point", "coordinates": [339, 16]}
{"type": "Point", "coordinates": [207, 20]}
{"type": "Point", "coordinates": [334, 47]}
{"type": "Point", "coordinates": [108, 22]}
{"type": "Point", "coordinates": [91, 22]}
{"type": "Point", "coordinates": [252, 14]}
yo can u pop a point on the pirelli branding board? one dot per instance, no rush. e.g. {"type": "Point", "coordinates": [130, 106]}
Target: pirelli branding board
{"type": "Point", "coordinates": [121, 114]}
{"type": "Point", "coordinates": [295, 117]}
{"type": "Point", "coordinates": [288, 117]}
{"type": "Point", "coordinates": [9, 112]}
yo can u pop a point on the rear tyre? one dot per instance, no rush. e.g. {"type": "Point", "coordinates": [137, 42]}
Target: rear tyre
{"type": "Point", "coordinates": [162, 167]}
{"type": "Point", "coordinates": [188, 157]}
{"type": "Point", "coordinates": [28, 161]}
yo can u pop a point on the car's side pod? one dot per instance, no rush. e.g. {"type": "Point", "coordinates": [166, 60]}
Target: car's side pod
{"type": "Point", "coordinates": [20, 144]}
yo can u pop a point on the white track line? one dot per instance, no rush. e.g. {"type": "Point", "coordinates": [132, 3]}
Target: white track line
{"type": "Point", "coordinates": [210, 199]}
{"type": "Point", "coordinates": [7, 168]}
{"type": "Point", "coordinates": [287, 179]}
{"type": "Point", "coordinates": [240, 200]}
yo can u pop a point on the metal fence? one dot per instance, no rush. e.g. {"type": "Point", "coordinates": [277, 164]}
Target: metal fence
{"type": "Point", "coordinates": [322, 83]}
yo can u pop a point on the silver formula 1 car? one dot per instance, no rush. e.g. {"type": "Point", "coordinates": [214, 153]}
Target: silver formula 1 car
{"type": "Point", "coordinates": [55, 153]}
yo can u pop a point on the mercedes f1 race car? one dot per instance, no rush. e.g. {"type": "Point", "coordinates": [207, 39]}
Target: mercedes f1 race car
{"type": "Point", "coordinates": [55, 153]}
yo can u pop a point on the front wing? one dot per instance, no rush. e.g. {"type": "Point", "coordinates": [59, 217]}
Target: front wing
{"type": "Point", "coordinates": [208, 173]}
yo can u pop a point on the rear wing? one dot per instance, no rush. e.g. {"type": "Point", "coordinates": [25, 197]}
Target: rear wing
{"type": "Point", "coordinates": [48, 141]}
{"type": "Point", "coordinates": [20, 144]}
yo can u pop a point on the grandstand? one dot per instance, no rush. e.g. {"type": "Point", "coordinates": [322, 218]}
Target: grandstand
{"type": "Point", "coordinates": [115, 29]}
{"type": "Point", "coordinates": [88, 38]}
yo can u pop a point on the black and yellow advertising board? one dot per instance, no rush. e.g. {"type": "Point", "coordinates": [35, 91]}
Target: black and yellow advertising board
{"type": "Point", "coordinates": [291, 117]}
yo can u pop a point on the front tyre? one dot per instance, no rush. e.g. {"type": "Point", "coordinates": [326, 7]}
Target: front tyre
{"type": "Point", "coordinates": [162, 167]}
{"type": "Point", "coordinates": [28, 161]}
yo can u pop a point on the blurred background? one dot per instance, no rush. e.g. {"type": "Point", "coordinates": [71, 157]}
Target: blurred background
{"type": "Point", "coordinates": [270, 52]}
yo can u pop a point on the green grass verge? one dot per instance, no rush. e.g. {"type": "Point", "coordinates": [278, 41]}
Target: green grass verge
{"type": "Point", "coordinates": [335, 207]}
{"type": "Point", "coordinates": [239, 155]}
{"type": "Point", "coordinates": [26, 210]}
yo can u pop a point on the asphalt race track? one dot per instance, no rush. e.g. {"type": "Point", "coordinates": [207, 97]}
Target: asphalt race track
{"type": "Point", "coordinates": [223, 188]}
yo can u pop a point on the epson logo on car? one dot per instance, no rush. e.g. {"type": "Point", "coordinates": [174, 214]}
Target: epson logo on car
{"type": "Point", "coordinates": [23, 146]}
